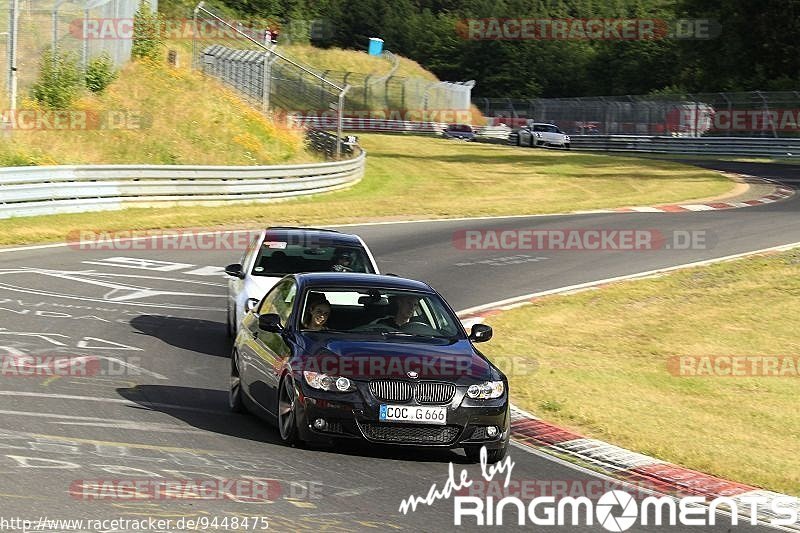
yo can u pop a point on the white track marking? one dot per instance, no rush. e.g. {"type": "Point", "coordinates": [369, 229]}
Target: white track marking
{"type": "Point", "coordinates": [648, 273]}
{"type": "Point", "coordinates": [44, 336]}
{"type": "Point", "coordinates": [129, 403]}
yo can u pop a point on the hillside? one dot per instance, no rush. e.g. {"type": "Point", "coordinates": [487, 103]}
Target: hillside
{"type": "Point", "coordinates": [155, 114]}
{"type": "Point", "coordinates": [354, 61]}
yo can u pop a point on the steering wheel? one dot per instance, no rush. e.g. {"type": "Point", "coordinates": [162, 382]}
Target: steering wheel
{"type": "Point", "coordinates": [341, 268]}
{"type": "Point", "coordinates": [419, 327]}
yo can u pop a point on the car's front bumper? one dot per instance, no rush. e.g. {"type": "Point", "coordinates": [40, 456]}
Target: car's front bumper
{"type": "Point", "coordinates": [354, 416]}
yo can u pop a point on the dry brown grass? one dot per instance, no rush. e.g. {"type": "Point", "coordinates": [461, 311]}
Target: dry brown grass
{"type": "Point", "coordinates": [602, 369]}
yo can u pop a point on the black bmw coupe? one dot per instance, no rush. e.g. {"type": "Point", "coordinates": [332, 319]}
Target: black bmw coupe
{"type": "Point", "coordinates": [329, 356]}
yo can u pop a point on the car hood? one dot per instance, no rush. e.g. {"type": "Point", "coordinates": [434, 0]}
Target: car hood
{"type": "Point", "coordinates": [454, 361]}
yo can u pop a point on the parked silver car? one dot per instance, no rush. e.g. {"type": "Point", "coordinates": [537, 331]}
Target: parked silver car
{"type": "Point", "coordinates": [540, 134]}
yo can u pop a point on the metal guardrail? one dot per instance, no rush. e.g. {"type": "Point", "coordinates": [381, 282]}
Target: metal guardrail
{"type": "Point", "coordinates": [744, 146]}
{"type": "Point", "coordinates": [27, 191]}
{"type": "Point", "coordinates": [326, 143]}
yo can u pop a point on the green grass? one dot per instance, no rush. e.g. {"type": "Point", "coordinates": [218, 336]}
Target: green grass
{"type": "Point", "coordinates": [410, 177]}
{"type": "Point", "coordinates": [601, 366]}
{"type": "Point", "coordinates": [788, 160]}
{"type": "Point", "coordinates": [353, 61]}
{"type": "Point", "coordinates": [177, 117]}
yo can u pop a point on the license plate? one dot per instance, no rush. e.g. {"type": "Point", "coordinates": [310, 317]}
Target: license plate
{"type": "Point", "coordinates": [413, 414]}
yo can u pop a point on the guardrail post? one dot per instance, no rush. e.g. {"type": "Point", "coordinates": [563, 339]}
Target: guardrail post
{"type": "Point", "coordinates": [340, 122]}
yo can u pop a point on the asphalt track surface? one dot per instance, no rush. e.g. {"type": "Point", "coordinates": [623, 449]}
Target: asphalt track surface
{"type": "Point", "coordinates": [166, 416]}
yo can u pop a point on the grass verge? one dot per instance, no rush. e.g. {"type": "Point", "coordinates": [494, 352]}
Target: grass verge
{"type": "Point", "coordinates": [159, 115]}
{"type": "Point", "coordinates": [604, 366]}
{"type": "Point", "coordinates": [418, 177]}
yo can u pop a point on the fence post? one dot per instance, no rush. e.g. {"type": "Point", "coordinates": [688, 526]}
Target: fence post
{"type": "Point", "coordinates": [85, 47]}
{"type": "Point", "coordinates": [195, 31]}
{"type": "Point", "coordinates": [265, 83]}
{"type": "Point", "coordinates": [339, 122]}
{"type": "Point", "coordinates": [12, 54]}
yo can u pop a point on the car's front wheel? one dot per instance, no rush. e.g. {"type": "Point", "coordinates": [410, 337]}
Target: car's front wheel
{"type": "Point", "coordinates": [287, 411]}
{"type": "Point", "coordinates": [492, 456]}
{"type": "Point", "coordinates": [235, 400]}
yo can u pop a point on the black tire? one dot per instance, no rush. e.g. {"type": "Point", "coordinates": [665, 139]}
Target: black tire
{"type": "Point", "coordinates": [566, 146]}
{"type": "Point", "coordinates": [519, 139]}
{"type": "Point", "coordinates": [235, 398]}
{"type": "Point", "coordinates": [287, 412]}
{"type": "Point", "coordinates": [492, 456]}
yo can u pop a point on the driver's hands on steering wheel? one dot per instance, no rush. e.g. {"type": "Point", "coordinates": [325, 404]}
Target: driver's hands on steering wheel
{"type": "Point", "coordinates": [341, 268]}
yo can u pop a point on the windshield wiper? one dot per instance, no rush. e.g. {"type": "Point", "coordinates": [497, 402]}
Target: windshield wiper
{"type": "Point", "coordinates": [424, 336]}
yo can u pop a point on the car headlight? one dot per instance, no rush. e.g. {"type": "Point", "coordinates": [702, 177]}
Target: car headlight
{"type": "Point", "coordinates": [566, 137]}
{"type": "Point", "coordinates": [486, 391]}
{"type": "Point", "coordinates": [322, 381]}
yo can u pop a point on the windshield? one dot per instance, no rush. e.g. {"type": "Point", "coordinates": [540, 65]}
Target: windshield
{"type": "Point", "coordinates": [280, 258]}
{"type": "Point", "coordinates": [378, 312]}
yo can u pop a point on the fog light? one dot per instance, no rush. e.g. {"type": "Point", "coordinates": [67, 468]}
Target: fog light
{"type": "Point", "coordinates": [320, 424]}
{"type": "Point", "coordinates": [491, 431]}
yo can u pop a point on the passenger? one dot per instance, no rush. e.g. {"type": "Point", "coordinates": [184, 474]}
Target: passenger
{"type": "Point", "coordinates": [318, 310]}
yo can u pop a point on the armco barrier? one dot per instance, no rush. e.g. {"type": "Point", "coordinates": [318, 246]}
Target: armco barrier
{"type": "Point", "coordinates": [26, 191]}
{"type": "Point", "coordinates": [744, 146]}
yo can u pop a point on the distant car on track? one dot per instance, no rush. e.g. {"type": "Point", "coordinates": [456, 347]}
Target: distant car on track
{"type": "Point", "coordinates": [540, 134]}
{"type": "Point", "coordinates": [392, 365]}
{"type": "Point", "coordinates": [279, 251]}
{"type": "Point", "coordinates": [462, 132]}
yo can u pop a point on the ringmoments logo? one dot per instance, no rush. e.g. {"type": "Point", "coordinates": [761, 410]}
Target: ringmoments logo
{"type": "Point", "coordinates": [615, 510]}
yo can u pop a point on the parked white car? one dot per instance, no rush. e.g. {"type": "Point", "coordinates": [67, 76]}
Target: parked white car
{"type": "Point", "coordinates": [279, 251]}
{"type": "Point", "coordinates": [540, 134]}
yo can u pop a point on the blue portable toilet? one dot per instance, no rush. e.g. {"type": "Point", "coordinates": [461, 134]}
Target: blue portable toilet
{"type": "Point", "coordinates": [375, 46]}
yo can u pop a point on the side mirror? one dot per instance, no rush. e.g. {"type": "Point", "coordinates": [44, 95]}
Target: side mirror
{"type": "Point", "coordinates": [480, 333]}
{"type": "Point", "coordinates": [250, 304]}
{"type": "Point", "coordinates": [270, 322]}
{"type": "Point", "coordinates": [235, 270]}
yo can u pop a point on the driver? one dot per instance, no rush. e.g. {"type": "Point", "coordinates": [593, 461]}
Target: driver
{"type": "Point", "coordinates": [405, 310]}
{"type": "Point", "coordinates": [343, 261]}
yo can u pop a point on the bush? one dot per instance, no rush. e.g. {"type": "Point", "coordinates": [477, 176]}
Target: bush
{"type": "Point", "coordinates": [100, 73]}
{"type": "Point", "coordinates": [147, 38]}
{"type": "Point", "coordinates": [60, 80]}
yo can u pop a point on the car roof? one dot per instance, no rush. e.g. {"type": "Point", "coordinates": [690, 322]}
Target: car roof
{"type": "Point", "coordinates": [327, 236]}
{"type": "Point", "coordinates": [352, 279]}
